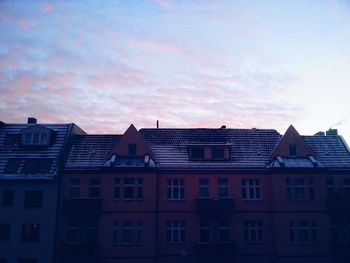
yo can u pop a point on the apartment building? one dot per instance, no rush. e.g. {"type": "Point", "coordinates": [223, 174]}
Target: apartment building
{"type": "Point", "coordinates": [204, 195]}
{"type": "Point", "coordinates": [30, 158]}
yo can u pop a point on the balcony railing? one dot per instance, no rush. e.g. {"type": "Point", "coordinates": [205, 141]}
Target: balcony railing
{"type": "Point", "coordinates": [339, 204]}
{"type": "Point", "coordinates": [89, 253]}
{"type": "Point", "coordinates": [82, 207]}
{"type": "Point", "coordinates": [222, 206]}
{"type": "Point", "coordinates": [340, 251]}
{"type": "Point", "coordinates": [215, 252]}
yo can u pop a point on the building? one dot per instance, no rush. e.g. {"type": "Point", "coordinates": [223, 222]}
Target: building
{"type": "Point", "coordinates": [31, 155]}
{"type": "Point", "coordinates": [204, 195]}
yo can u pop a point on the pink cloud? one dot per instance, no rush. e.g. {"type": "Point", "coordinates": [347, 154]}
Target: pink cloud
{"type": "Point", "coordinates": [47, 8]}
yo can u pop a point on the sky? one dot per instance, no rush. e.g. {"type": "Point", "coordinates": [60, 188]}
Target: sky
{"type": "Point", "coordinates": [106, 64]}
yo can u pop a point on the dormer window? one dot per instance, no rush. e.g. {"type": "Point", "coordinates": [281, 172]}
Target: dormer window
{"type": "Point", "coordinates": [131, 149]}
{"type": "Point", "coordinates": [36, 135]}
{"type": "Point", "coordinates": [292, 149]}
{"type": "Point", "coordinates": [197, 153]}
{"type": "Point", "coordinates": [217, 153]}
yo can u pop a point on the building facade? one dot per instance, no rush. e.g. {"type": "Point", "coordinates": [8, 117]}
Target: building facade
{"type": "Point", "coordinates": [204, 195]}
{"type": "Point", "coordinates": [31, 155]}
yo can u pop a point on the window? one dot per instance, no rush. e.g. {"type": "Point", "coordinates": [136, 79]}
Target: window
{"type": "Point", "coordinates": [5, 230]}
{"type": "Point", "coordinates": [334, 230]}
{"type": "Point", "coordinates": [74, 188]}
{"type": "Point", "coordinates": [297, 190]}
{"type": "Point", "coordinates": [197, 153]}
{"type": "Point", "coordinates": [128, 188]}
{"type": "Point", "coordinates": [35, 138]}
{"type": "Point", "coordinates": [252, 231]}
{"type": "Point", "coordinates": [115, 230]}
{"type": "Point", "coordinates": [292, 149]}
{"type": "Point", "coordinates": [132, 188]}
{"type": "Point", "coordinates": [204, 231]}
{"type": "Point", "coordinates": [131, 233]}
{"type": "Point", "coordinates": [222, 187]}
{"type": "Point", "coordinates": [94, 188]}
{"type": "Point", "coordinates": [302, 232]}
{"type": "Point", "coordinates": [30, 232]}
{"type": "Point", "coordinates": [132, 149]}
{"type": "Point", "coordinates": [203, 188]}
{"type": "Point", "coordinates": [175, 232]}
{"type": "Point", "coordinates": [330, 187]}
{"type": "Point", "coordinates": [347, 187]}
{"type": "Point", "coordinates": [12, 165]}
{"type": "Point", "coordinates": [224, 232]}
{"type": "Point", "coordinates": [27, 260]}
{"type": "Point", "coordinates": [175, 189]}
{"type": "Point", "coordinates": [251, 189]}
{"type": "Point", "coordinates": [7, 198]}
{"type": "Point", "coordinates": [72, 233]}
{"type": "Point", "coordinates": [33, 199]}
{"type": "Point", "coordinates": [33, 165]}
{"type": "Point", "coordinates": [217, 153]}
{"type": "Point", "coordinates": [92, 233]}
{"type": "Point", "coordinates": [11, 139]}
{"type": "Point", "coordinates": [117, 188]}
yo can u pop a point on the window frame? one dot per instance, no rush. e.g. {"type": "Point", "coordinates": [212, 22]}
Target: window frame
{"type": "Point", "coordinates": [253, 232]}
{"type": "Point", "coordinates": [175, 232]}
{"type": "Point", "coordinates": [251, 189]}
{"type": "Point", "coordinates": [175, 189]}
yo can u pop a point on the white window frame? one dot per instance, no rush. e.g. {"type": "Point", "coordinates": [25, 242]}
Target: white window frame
{"type": "Point", "coordinates": [252, 228]}
{"type": "Point", "coordinates": [175, 189]}
{"type": "Point", "coordinates": [251, 189]}
{"type": "Point", "coordinates": [176, 232]}
{"type": "Point", "coordinates": [303, 232]}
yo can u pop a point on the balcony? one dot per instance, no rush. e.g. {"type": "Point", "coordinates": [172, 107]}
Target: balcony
{"type": "Point", "coordinates": [82, 207]}
{"type": "Point", "coordinates": [215, 206]}
{"type": "Point", "coordinates": [88, 253]}
{"type": "Point", "coordinates": [340, 251]}
{"type": "Point", "coordinates": [215, 252]}
{"type": "Point", "coordinates": [339, 204]}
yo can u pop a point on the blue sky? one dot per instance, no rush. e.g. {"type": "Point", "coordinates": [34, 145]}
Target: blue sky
{"type": "Point", "coordinates": [106, 64]}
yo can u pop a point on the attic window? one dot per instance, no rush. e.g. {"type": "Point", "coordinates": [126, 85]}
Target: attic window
{"type": "Point", "coordinates": [217, 153]}
{"type": "Point", "coordinates": [36, 135]}
{"type": "Point", "coordinates": [197, 153]}
{"type": "Point", "coordinates": [11, 139]}
{"type": "Point", "coordinates": [131, 149]}
{"type": "Point", "coordinates": [12, 165]}
{"type": "Point", "coordinates": [36, 138]}
{"type": "Point", "coordinates": [292, 149]}
{"type": "Point", "coordinates": [37, 165]}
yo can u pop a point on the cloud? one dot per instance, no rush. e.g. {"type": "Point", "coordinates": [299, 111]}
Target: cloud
{"type": "Point", "coordinates": [47, 9]}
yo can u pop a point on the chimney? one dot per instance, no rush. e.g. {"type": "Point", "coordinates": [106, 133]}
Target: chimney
{"type": "Point", "coordinates": [31, 120]}
{"type": "Point", "coordinates": [157, 124]}
{"type": "Point", "coordinates": [223, 127]}
{"type": "Point", "coordinates": [332, 132]}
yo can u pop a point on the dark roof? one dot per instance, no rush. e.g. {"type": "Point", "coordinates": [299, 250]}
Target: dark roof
{"type": "Point", "coordinates": [249, 148]}
{"type": "Point", "coordinates": [330, 150]}
{"type": "Point", "coordinates": [13, 132]}
{"type": "Point", "coordinates": [90, 151]}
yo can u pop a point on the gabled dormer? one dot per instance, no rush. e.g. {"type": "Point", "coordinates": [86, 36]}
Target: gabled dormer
{"type": "Point", "coordinates": [291, 145]}
{"type": "Point", "coordinates": [131, 151]}
{"type": "Point", "coordinates": [36, 135]}
{"type": "Point", "coordinates": [293, 152]}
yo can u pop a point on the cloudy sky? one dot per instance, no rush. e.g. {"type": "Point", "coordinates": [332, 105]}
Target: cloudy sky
{"type": "Point", "coordinates": [106, 64]}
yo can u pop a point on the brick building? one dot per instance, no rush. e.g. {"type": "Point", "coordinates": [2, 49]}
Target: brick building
{"type": "Point", "coordinates": [199, 195]}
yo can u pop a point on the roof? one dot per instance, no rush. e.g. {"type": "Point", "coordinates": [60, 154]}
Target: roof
{"type": "Point", "coordinates": [249, 148]}
{"type": "Point", "coordinates": [16, 150]}
{"type": "Point", "coordinates": [90, 151]}
{"type": "Point", "coordinates": [330, 150]}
